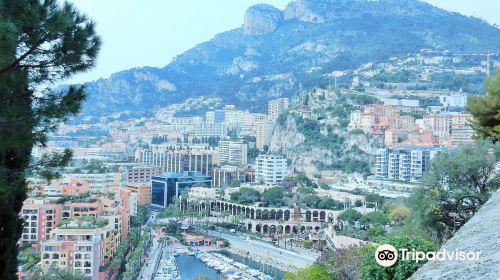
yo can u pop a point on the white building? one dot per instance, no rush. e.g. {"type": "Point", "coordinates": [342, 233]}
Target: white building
{"type": "Point", "coordinates": [205, 130]}
{"type": "Point", "coordinates": [98, 182]}
{"type": "Point", "coordinates": [404, 163]}
{"type": "Point", "coordinates": [276, 107]}
{"type": "Point", "coordinates": [233, 152]}
{"type": "Point", "coordinates": [457, 100]}
{"type": "Point", "coordinates": [270, 169]}
{"type": "Point", "coordinates": [264, 133]}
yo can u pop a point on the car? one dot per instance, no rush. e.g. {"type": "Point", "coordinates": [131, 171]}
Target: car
{"type": "Point", "coordinates": [232, 230]}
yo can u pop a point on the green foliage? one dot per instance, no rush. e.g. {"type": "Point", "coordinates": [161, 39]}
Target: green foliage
{"type": "Point", "coordinates": [467, 172]}
{"type": "Point", "coordinates": [402, 270]}
{"type": "Point", "coordinates": [235, 184]}
{"type": "Point", "coordinates": [54, 273]}
{"type": "Point", "coordinates": [374, 199]}
{"type": "Point", "coordinates": [41, 42]}
{"type": "Point", "coordinates": [313, 272]}
{"type": "Point", "coordinates": [373, 218]}
{"type": "Point", "coordinates": [245, 196]}
{"type": "Point", "coordinates": [274, 196]}
{"type": "Point", "coordinates": [307, 243]}
{"type": "Point", "coordinates": [141, 217]}
{"type": "Point", "coordinates": [375, 232]}
{"type": "Point", "coordinates": [485, 109]}
{"type": "Point", "coordinates": [350, 215]}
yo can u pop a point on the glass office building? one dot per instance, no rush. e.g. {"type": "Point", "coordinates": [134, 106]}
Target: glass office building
{"type": "Point", "coordinates": [165, 188]}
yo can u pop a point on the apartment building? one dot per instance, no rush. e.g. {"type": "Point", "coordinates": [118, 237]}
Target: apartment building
{"type": "Point", "coordinates": [225, 175]}
{"type": "Point", "coordinates": [270, 169]}
{"type": "Point", "coordinates": [233, 152]}
{"type": "Point", "coordinates": [40, 218]}
{"type": "Point", "coordinates": [461, 131]}
{"type": "Point", "coordinates": [178, 160]}
{"type": "Point", "coordinates": [276, 107]}
{"type": "Point", "coordinates": [142, 174]}
{"type": "Point", "coordinates": [403, 163]}
{"type": "Point", "coordinates": [207, 130]}
{"type": "Point", "coordinates": [143, 192]}
{"type": "Point", "coordinates": [99, 181]}
{"type": "Point", "coordinates": [263, 134]}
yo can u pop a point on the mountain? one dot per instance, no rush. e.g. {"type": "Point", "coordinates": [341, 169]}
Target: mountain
{"type": "Point", "coordinates": [278, 53]}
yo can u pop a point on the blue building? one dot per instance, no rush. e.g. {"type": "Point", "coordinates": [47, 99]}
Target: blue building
{"type": "Point", "coordinates": [166, 187]}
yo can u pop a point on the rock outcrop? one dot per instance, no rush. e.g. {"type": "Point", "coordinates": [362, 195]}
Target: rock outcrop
{"type": "Point", "coordinates": [261, 19]}
{"type": "Point", "coordinates": [481, 233]}
{"type": "Point", "coordinates": [300, 11]}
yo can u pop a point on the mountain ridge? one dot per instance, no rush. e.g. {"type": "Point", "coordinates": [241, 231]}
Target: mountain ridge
{"type": "Point", "coordinates": [278, 53]}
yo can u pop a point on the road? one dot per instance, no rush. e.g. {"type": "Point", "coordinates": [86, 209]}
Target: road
{"type": "Point", "coordinates": [267, 250]}
{"type": "Point", "coordinates": [149, 268]}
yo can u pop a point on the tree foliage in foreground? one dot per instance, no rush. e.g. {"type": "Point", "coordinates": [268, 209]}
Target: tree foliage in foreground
{"type": "Point", "coordinates": [41, 42]}
{"type": "Point", "coordinates": [456, 180]}
{"type": "Point", "coordinates": [486, 109]}
{"type": "Point", "coordinates": [54, 273]}
{"type": "Point", "coordinates": [401, 270]}
{"type": "Point", "coordinates": [313, 272]}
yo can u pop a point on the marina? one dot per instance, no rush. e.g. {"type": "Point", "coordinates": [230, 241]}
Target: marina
{"type": "Point", "coordinates": [213, 265]}
{"type": "Point", "coordinates": [167, 268]}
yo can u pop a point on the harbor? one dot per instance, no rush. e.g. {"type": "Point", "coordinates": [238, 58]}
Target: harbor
{"type": "Point", "coordinates": [210, 264]}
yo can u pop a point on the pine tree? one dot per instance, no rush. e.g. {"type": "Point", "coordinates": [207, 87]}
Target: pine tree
{"type": "Point", "coordinates": [486, 109]}
{"type": "Point", "coordinates": [41, 42]}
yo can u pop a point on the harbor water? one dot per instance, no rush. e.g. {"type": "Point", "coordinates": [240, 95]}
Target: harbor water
{"type": "Point", "coordinates": [191, 267]}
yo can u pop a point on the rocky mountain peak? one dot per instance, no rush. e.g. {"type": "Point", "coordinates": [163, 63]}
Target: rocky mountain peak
{"type": "Point", "coordinates": [261, 19]}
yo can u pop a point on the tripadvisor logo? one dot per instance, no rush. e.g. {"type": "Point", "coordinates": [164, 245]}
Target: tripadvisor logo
{"type": "Point", "coordinates": [386, 255]}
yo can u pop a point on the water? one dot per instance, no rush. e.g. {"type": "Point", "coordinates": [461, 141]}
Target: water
{"type": "Point", "coordinates": [191, 267]}
{"type": "Point", "coordinates": [271, 271]}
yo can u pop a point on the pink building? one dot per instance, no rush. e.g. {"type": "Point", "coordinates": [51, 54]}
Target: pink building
{"type": "Point", "coordinates": [40, 218]}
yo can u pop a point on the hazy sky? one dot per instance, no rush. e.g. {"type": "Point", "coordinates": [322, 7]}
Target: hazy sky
{"type": "Point", "coordinates": [151, 32]}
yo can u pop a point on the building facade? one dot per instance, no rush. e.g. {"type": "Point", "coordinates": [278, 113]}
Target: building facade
{"type": "Point", "coordinates": [270, 169]}
{"type": "Point", "coordinates": [233, 152]}
{"type": "Point", "coordinates": [276, 107]}
{"type": "Point", "coordinates": [403, 163]}
{"type": "Point", "coordinates": [166, 188]}
{"type": "Point", "coordinates": [179, 160]}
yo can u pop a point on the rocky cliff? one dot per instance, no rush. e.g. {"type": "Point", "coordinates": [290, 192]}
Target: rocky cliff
{"type": "Point", "coordinates": [481, 233]}
{"type": "Point", "coordinates": [329, 151]}
{"type": "Point", "coordinates": [261, 19]}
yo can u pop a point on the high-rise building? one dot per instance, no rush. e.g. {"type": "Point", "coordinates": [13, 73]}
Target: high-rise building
{"type": "Point", "coordinates": [206, 130]}
{"type": "Point", "coordinates": [403, 163]}
{"type": "Point", "coordinates": [224, 176]}
{"type": "Point", "coordinates": [461, 131]}
{"type": "Point", "coordinates": [264, 134]}
{"type": "Point", "coordinates": [270, 169]}
{"type": "Point", "coordinates": [233, 152]}
{"type": "Point", "coordinates": [217, 116]}
{"type": "Point", "coordinates": [178, 160]}
{"type": "Point", "coordinates": [40, 218]}
{"type": "Point", "coordinates": [276, 107]}
{"type": "Point", "coordinates": [167, 187]}
{"type": "Point", "coordinates": [142, 174]}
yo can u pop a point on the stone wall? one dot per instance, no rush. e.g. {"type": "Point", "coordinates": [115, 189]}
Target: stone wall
{"type": "Point", "coordinates": [481, 233]}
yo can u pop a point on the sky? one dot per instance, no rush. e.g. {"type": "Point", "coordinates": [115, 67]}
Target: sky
{"type": "Point", "coordinates": [152, 32]}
